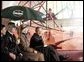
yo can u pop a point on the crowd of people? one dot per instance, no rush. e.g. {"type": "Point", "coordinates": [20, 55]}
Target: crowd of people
{"type": "Point", "coordinates": [14, 48]}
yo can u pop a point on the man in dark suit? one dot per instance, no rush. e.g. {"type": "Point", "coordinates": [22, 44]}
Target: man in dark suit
{"type": "Point", "coordinates": [37, 43]}
{"type": "Point", "coordinates": [11, 49]}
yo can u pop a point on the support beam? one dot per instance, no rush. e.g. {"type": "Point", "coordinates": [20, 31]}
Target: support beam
{"type": "Point", "coordinates": [41, 6]}
{"type": "Point", "coordinates": [19, 3]}
{"type": "Point", "coordinates": [25, 3]}
{"type": "Point", "coordinates": [37, 4]}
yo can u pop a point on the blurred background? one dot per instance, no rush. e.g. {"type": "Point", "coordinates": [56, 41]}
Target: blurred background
{"type": "Point", "coordinates": [69, 22]}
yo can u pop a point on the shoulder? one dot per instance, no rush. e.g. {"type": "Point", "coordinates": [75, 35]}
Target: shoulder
{"type": "Point", "coordinates": [7, 34]}
{"type": "Point", "coordinates": [34, 35]}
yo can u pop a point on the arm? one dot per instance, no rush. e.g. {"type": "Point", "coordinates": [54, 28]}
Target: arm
{"type": "Point", "coordinates": [5, 49]}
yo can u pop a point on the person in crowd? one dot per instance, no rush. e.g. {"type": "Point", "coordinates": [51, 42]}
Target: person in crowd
{"type": "Point", "coordinates": [29, 54]}
{"type": "Point", "coordinates": [51, 15]}
{"type": "Point", "coordinates": [11, 49]}
{"type": "Point", "coordinates": [36, 42]}
{"type": "Point", "coordinates": [4, 57]}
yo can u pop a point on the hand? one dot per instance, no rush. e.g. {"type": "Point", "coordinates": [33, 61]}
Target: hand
{"type": "Point", "coordinates": [35, 51]}
{"type": "Point", "coordinates": [21, 54]}
{"type": "Point", "coordinates": [13, 56]}
{"type": "Point", "coordinates": [18, 41]}
{"type": "Point", "coordinates": [45, 45]}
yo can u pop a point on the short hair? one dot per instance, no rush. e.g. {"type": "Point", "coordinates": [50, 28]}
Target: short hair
{"type": "Point", "coordinates": [2, 26]}
{"type": "Point", "coordinates": [11, 25]}
{"type": "Point", "coordinates": [37, 29]}
{"type": "Point", "coordinates": [50, 9]}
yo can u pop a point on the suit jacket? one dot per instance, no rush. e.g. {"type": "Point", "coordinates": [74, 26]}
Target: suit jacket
{"type": "Point", "coordinates": [36, 41]}
{"type": "Point", "coordinates": [4, 52]}
{"type": "Point", "coordinates": [11, 46]}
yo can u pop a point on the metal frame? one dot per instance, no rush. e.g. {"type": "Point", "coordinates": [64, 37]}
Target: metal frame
{"type": "Point", "coordinates": [39, 5]}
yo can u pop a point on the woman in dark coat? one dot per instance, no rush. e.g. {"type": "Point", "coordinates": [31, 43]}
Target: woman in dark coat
{"type": "Point", "coordinates": [36, 42]}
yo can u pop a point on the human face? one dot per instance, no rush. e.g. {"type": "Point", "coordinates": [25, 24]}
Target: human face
{"type": "Point", "coordinates": [39, 31]}
{"type": "Point", "coordinates": [3, 31]}
{"type": "Point", "coordinates": [14, 30]}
